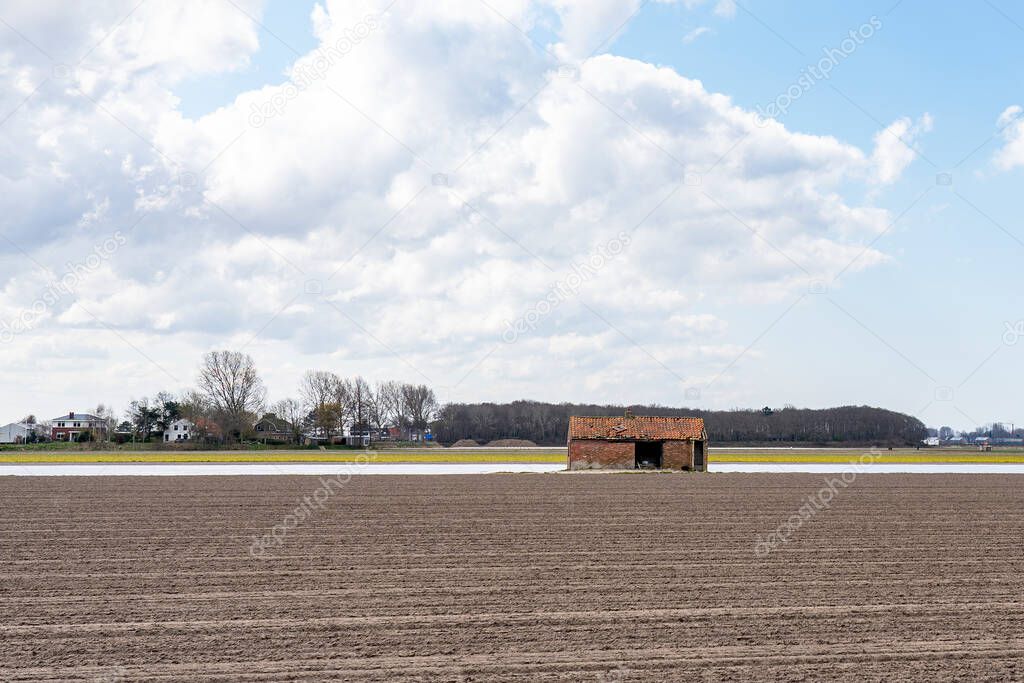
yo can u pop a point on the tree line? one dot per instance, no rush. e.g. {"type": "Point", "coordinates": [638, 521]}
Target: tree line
{"type": "Point", "coordinates": [547, 423]}
{"type": "Point", "coordinates": [230, 397]}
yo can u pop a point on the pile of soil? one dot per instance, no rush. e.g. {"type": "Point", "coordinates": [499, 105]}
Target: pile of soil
{"type": "Point", "coordinates": [511, 443]}
{"type": "Point", "coordinates": [466, 443]}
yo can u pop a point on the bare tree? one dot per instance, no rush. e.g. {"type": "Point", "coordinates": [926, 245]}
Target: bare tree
{"type": "Point", "coordinates": [343, 400]}
{"type": "Point", "coordinates": [359, 400]}
{"type": "Point", "coordinates": [290, 410]}
{"type": "Point", "coordinates": [391, 394]}
{"type": "Point", "coordinates": [229, 380]}
{"type": "Point", "coordinates": [106, 413]}
{"type": "Point", "coordinates": [195, 408]}
{"type": "Point", "coordinates": [330, 417]}
{"type": "Point", "coordinates": [318, 391]}
{"type": "Point", "coordinates": [420, 405]}
{"type": "Point", "coordinates": [317, 388]}
{"type": "Point", "coordinates": [378, 407]}
{"type": "Point", "coordinates": [142, 416]}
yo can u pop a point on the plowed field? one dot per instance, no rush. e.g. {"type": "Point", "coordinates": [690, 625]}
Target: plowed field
{"type": "Point", "coordinates": [612, 577]}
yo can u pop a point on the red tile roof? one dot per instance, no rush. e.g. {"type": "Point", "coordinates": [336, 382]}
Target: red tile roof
{"type": "Point", "coordinates": [638, 427]}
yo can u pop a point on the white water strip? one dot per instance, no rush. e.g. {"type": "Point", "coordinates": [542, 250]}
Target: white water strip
{"type": "Point", "coordinates": [871, 468]}
{"type": "Point", "coordinates": [244, 468]}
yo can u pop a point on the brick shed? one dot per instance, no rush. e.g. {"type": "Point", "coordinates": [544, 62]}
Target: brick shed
{"type": "Point", "coordinates": [635, 442]}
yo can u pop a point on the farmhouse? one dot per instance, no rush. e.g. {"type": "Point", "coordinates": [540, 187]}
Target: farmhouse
{"type": "Point", "coordinates": [72, 426]}
{"type": "Point", "coordinates": [273, 428]}
{"type": "Point", "coordinates": [179, 430]}
{"type": "Point", "coordinates": [635, 442]}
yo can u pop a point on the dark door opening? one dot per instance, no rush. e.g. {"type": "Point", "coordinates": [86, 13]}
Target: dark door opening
{"type": "Point", "coordinates": [698, 456]}
{"type": "Point", "coordinates": [648, 455]}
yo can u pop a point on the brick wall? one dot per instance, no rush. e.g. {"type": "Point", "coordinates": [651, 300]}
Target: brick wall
{"type": "Point", "coordinates": [585, 454]}
{"type": "Point", "coordinates": [677, 455]}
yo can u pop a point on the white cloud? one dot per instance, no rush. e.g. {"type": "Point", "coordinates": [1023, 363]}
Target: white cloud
{"type": "Point", "coordinates": [695, 34]}
{"type": "Point", "coordinates": [726, 8]}
{"type": "Point", "coordinates": [723, 8]}
{"type": "Point", "coordinates": [894, 147]}
{"type": "Point", "coordinates": [321, 236]}
{"type": "Point", "coordinates": [1011, 154]}
{"type": "Point", "coordinates": [120, 41]}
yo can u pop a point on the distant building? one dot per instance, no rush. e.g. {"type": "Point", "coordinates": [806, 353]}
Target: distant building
{"type": "Point", "coordinates": [402, 434]}
{"type": "Point", "coordinates": [70, 427]}
{"type": "Point", "coordinates": [179, 430]}
{"type": "Point", "coordinates": [16, 432]}
{"type": "Point", "coordinates": [356, 437]}
{"type": "Point", "coordinates": [931, 441]}
{"type": "Point", "coordinates": [635, 442]}
{"type": "Point", "coordinates": [274, 428]}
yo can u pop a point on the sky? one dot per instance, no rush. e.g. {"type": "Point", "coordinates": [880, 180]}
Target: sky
{"type": "Point", "coordinates": [711, 203]}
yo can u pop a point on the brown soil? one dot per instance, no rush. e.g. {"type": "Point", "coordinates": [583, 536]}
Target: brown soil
{"type": "Point", "coordinates": [466, 443]}
{"type": "Point", "coordinates": [630, 577]}
{"type": "Point", "coordinates": [511, 443]}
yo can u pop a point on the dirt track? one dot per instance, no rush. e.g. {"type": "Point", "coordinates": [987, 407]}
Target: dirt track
{"type": "Point", "coordinates": [512, 577]}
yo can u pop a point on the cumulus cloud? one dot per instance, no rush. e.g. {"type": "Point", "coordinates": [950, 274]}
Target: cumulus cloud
{"type": "Point", "coordinates": [416, 182]}
{"type": "Point", "coordinates": [120, 41]}
{"type": "Point", "coordinates": [895, 147]}
{"type": "Point", "coordinates": [1011, 125]}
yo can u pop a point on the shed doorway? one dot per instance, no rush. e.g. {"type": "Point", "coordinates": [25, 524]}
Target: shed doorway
{"type": "Point", "coordinates": [698, 456]}
{"type": "Point", "coordinates": [648, 455]}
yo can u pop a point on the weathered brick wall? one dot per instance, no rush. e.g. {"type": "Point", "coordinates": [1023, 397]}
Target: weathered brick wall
{"type": "Point", "coordinates": [587, 454]}
{"type": "Point", "coordinates": [677, 455]}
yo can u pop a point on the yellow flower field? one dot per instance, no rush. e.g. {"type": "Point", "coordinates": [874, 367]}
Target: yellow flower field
{"type": "Point", "coordinates": [555, 455]}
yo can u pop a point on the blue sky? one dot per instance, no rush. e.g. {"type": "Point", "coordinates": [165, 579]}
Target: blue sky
{"type": "Point", "coordinates": [286, 26]}
{"type": "Point", "coordinates": [918, 325]}
{"type": "Point", "coordinates": [952, 285]}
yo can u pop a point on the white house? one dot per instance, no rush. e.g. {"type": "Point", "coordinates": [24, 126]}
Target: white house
{"type": "Point", "coordinates": [179, 430]}
{"type": "Point", "coordinates": [15, 432]}
{"type": "Point", "coordinates": [69, 427]}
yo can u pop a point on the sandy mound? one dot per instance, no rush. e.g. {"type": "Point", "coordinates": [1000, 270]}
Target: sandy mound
{"type": "Point", "coordinates": [510, 443]}
{"type": "Point", "coordinates": [466, 443]}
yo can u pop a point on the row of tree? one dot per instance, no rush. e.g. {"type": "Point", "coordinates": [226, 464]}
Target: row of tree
{"type": "Point", "coordinates": [332, 403]}
{"type": "Point", "coordinates": [547, 423]}
{"type": "Point", "coordinates": [230, 397]}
